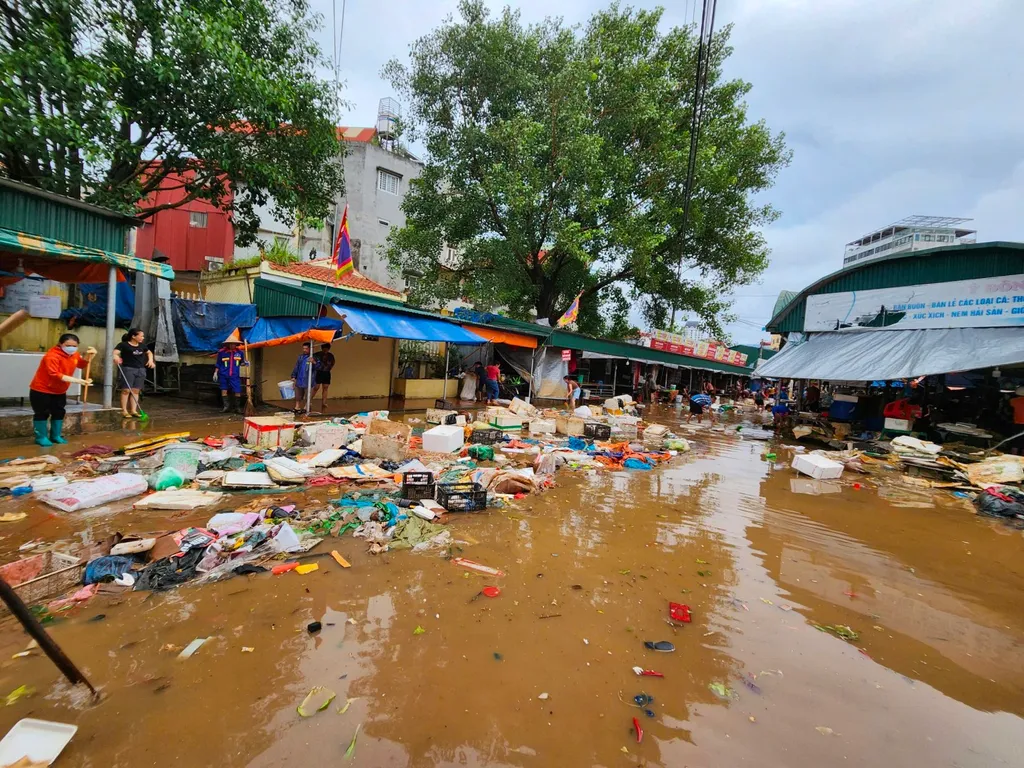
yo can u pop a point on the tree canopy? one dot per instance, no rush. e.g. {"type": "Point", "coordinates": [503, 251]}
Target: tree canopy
{"type": "Point", "coordinates": [109, 100]}
{"type": "Point", "coordinates": [556, 163]}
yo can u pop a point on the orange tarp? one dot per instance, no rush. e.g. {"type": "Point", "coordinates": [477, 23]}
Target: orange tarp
{"type": "Point", "coordinates": [503, 337]}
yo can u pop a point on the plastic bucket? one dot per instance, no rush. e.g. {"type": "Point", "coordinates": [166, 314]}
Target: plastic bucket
{"type": "Point", "coordinates": [184, 458]}
{"type": "Point", "coordinates": [287, 389]}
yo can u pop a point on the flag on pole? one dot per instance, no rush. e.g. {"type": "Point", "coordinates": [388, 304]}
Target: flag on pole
{"type": "Point", "coordinates": [341, 257]}
{"type": "Point", "coordinates": [571, 313]}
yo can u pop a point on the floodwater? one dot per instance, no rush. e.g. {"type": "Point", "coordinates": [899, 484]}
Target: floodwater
{"type": "Point", "coordinates": [936, 677]}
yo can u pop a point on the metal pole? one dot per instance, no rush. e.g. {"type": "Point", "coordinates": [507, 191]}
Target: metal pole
{"type": "Point", "coordinates": [615, 376]}
{"type": "Point", "coordinates": [533, 372]}
{"type": "Point", "coordinates": [444, 391]}
{"type": "Point", "coordinates": [309, 377]}
{"type": "Point", "coordinates": [108, 366]}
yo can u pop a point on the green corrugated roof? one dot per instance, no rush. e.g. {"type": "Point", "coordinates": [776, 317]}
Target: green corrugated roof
{"type": "Point", "coordinates": [935, 265]}
{"type": "Point", "coordinates": [24, 208]}
{"type": "Point", "coordinates": [567, 340]}
{"type": "Point", "coordinates": [274, 299]}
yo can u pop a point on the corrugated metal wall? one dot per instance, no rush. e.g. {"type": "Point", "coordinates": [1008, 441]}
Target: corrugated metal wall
{"type": "Point", "coordinates": [943, 266]}
{"type": "Point", "coordinates": [48, 218]}
{"type": "Point", "coordinates": [271, 303]}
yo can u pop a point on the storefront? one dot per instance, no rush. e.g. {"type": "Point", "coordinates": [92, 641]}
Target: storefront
{"type": "Point", "coordinates": [912, 319]}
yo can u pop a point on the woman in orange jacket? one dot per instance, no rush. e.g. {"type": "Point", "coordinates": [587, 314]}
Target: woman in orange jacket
{"type": "Point", "coordinates": [48, 392]}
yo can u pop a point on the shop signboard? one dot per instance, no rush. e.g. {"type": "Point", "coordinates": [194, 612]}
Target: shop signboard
{"type": "Point", "coordinates": [683, 345]}
{"type": "Point", "coordinates": [987, 302]}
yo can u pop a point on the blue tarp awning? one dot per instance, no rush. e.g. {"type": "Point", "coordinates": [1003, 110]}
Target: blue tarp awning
{"type": "Point", "coordinates": [202, 326]}
{"type": "Point", "coordinates": [391, 325]}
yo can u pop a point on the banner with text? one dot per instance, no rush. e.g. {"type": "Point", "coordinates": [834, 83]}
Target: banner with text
{"type": "Point", "coordinates": [706, 350]}
{"type": "Point", "coordinates": [985, 302]}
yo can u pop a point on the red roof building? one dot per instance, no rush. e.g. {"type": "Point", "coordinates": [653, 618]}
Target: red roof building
{"type": "Point", "coordinates": [321, 272]}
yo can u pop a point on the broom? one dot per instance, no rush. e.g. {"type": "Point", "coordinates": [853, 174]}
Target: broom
{"type": "Point", "coordinates": [143, 416]}
{"type": "Point", "coordinates": [250, 409]}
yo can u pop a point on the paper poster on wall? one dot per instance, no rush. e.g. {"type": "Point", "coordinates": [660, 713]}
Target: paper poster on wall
{"type": "Point", "coordinates": [987, 302]}
{"type": "Point", "coordinates": [44, 306]}
{"type": "Point", "coordinates": [18, 295]}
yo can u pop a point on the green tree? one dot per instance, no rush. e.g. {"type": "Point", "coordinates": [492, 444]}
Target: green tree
{"type": "Point", "coordinates": [557, 163]}
{"type": "Point", "coordinates": [109, 100]}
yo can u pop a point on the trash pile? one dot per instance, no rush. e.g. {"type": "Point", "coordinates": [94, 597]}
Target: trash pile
{"type": "Point", "coordinates": [991, 481]}
{"type": "Point", "coordinates": [393, 487]}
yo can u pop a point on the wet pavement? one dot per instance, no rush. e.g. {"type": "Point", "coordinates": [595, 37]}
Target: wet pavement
{"type": "Point", "coordinates": [936, 594]}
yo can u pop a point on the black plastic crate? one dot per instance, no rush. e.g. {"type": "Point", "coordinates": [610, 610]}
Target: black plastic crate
{"type": "Point", "coordinates": [418, 485]}
{"type": "Point", "coordinates": [597, 431]}
{"type": "Point", "coordinates": [462, 497]}
{"type": "Point", "coordinates": [444, 405]}
{"type": "Point", "coordinates": [451, 419]}
{"type": "Point", "coordinates": [485, 436]}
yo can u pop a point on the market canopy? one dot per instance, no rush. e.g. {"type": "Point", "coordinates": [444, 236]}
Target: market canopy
{"type": "Point", "coordinates": [504, 337]}
{"type": "Point", "coordinates": [44, 256]}
{"type": "Point", "coordinates": [273, 331]}
{"type": "Point", "coordinates": [888, 355]}
{"type": "Point", "coordinates": [393, 325]}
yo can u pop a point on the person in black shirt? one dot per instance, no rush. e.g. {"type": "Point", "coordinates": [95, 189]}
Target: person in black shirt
{"type": "Point", "coordinates": [323, 362]}
{"type": "Point", "coordinates": [132, 359]}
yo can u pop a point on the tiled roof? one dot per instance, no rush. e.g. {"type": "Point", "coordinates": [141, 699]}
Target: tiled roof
{"type": "Point", "coordinates": [361, 135]}
{"type": "Point", "coordinates": [325, 274]}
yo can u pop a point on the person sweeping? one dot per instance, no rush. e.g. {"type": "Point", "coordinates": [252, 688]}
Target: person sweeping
{"type": "Point", "coordinates": [48, 392]}
{"type": "Point", "coordinates": [230, 360]}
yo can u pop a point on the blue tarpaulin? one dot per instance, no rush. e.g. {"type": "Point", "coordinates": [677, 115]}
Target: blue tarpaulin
{"type": "Point", "coordinates": [93, 311]}
{"type": "Point", "coordinates": [202, 326]}
{"type": "Point", "coordinates": [390, 325]}
{"type": "Point", "coordinates": [271, 331]}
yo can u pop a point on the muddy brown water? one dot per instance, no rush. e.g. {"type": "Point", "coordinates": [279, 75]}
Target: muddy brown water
{"type": "Point", "coordinates": [936, 593]}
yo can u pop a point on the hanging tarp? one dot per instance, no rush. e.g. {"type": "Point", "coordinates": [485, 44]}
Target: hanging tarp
{"type": "Point", "coordinates": [888, 355]}
{"type": "Point", "coordinates": [520, 359]}
{"type": "Point", "coordinates": [202, 326]}
{"type": "Point", "coordinates": [274, 331]}
{"type": "Point", "coordinates": [504, 337]}
{"type": "Point", "coordinates": [393, 325]}
{"type": "Point", "coordinates": [93, 311]}
{"type": "Point", "coordinates": [49, 249]}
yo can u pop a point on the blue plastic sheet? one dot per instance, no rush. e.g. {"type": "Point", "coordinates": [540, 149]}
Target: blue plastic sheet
{"type": "Point", "coordinates": [391, 325]}
{"type": "Point", "coordinates": [93, 311]}
{"type": "Point", "coordinates": [202, 326]}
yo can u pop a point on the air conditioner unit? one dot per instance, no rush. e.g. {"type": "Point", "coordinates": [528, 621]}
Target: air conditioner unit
{"type": "Point", "coordinates": [214, 263]}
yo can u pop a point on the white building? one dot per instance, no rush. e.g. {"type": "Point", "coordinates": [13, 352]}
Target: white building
{"type": "Point", "coordinates": [914, 233]}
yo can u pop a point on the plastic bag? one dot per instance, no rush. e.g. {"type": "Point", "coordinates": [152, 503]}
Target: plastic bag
{"type": "Point", "coordinates": [1000, 503]}
{"type": "Point", "coordinates": [166, 478]}
{"type": "Point", "coordinates": [85, 494]}
{"type": "Point", "coordinates": [481, 452]}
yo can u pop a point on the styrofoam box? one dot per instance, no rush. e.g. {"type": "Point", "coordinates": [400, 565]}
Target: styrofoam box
{"type": "Point", "coordinates": [268, 432]}
{"type": "Point", "coordinates": [542, 426]}
{"type": "Point", "coordinates": [817, 466]}
{"type": "Point", "coordinates": [438, 415]}
{"type": "Point", "coordinates": [504, 421]}
{"type": "Point", "coordinates": [898, 425]}
{"type": "Point", "coordinates": [443, 439]}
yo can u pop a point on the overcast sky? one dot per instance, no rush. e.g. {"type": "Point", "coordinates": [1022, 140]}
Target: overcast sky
{"type": "Point", "coordinates": [891, 107]}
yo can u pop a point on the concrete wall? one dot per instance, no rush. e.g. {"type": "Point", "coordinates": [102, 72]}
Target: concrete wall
{"type": "Point", "coordinates": [363, 368]}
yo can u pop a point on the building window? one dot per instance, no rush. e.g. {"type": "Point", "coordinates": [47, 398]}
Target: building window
{"type": "Point", "coordinates": [388, 181]}
{"type": "Point", "coordinates": [384, 222]}
{"type": "Point", "coordinates": [927, 238]}
{"type": "Point", "coordinates": [196, 219]}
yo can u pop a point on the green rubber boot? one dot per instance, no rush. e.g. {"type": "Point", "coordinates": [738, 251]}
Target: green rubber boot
{"type": "Point", "coordinates": [56, 427]}
{"type": "Point", "coordinates": [39, 427]}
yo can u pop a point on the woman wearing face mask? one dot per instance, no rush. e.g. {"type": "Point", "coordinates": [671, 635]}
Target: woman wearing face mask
{"type": "Point", "coordinates": [48, 392]}
{"type": "Point", "coordinates": [132, 359]}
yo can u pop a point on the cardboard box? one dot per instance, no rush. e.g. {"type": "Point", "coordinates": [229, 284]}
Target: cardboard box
{"type": "Point", "coordinates": [268, 432]}
{"type": "Point", "coordinates": [383, 447]}
{"type": "Point", "coordinates": [572, 426]}
{"type": "Point", "coordinates": [596, 411]}
{"type": "Point", "coordinates": [325, 436]}
{"type": "Point", "coordinates": [443, 439]}
{"type": "Point", "coordinates": [818, 467]}
{"type": "Point", "coordinates": [393, 429]}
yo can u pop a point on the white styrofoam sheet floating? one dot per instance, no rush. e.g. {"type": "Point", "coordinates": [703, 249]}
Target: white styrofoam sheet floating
{"type": "Point", "coordinates": [41, 741]}
{"type": "Point", "coordinates": [818, 467]}
{"type": "Point", "coordinates": [247, 480]}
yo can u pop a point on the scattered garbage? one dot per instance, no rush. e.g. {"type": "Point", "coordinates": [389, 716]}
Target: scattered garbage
{"type": "Point", "coordinates": [317, 700]}
{"type": "Point", "coordinates": [192, 647]}
{"type": "Point", "coordinates": [662, 646]}
{"type": "Point", "coordinates": [39, 742]}
{"type": "Point", "coordinates": [646, 672]}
